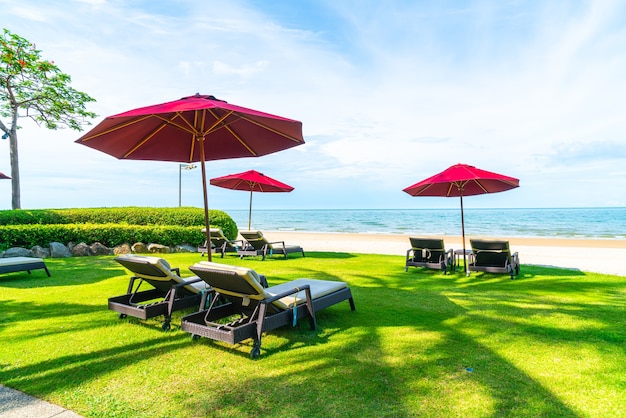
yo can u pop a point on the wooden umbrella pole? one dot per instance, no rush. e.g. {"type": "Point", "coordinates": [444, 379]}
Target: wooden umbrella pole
{"type": "Point", "coordinates": [207, 220]}
{"type": "Point", "coordinates": [463, 234]}
{"type": "Point", "coordinates": [250, 211]}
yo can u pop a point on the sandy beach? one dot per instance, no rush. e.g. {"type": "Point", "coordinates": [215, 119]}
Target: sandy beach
{"type": "Point", "coordinates": [594, 255]}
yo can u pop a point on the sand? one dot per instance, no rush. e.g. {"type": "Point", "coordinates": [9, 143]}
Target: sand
{"type": "Point", "coordinates": [592, 255]}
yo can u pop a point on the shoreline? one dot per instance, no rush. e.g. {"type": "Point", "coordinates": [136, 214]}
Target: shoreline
{"type": "Point", "coordinates": [593, 255]}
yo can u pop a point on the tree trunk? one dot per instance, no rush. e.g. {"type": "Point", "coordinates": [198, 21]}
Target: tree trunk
{"type": "Point", "coordinates": [15, 170]}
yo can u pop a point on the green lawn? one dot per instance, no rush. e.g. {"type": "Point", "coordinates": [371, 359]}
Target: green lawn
{"type": "Point", "coordinates": [551, 343]}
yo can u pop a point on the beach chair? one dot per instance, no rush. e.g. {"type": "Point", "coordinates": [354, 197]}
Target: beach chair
{"type": "Point", "coordinates": [169, 292]}
{"type": "Point", "coordinates": [493, 256]}
{"type": "Point", "coordinates": [257, 244]}
{"type": "Point", "coordinates": [220, 243]}
{"type": "Point", "coordinates": [430, 253]}
{"type": "Point", "coordinates": [14, 264]}
{"type": "Point", "coordinates": [252, 309]}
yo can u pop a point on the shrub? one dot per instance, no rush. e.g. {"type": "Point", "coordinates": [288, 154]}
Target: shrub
{"type": "Point", "coordinates": [109, 226]}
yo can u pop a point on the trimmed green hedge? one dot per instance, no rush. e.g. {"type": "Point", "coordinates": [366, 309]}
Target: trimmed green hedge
{"type": "Point", "coordinates": [109, 226]}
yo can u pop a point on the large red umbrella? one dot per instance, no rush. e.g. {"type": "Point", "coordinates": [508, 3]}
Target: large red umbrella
{"type": "Point", "coordinates": [251, 181]}
{"type": "Point", "coordinates": [196, 128]}
{"type": "Point", "coordinates": [462, 180]}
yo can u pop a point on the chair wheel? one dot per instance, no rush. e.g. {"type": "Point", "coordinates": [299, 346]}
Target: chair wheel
{"type": "Point", "coordinates": [122, 315]}
{"type": "Point", "coordinates": [256, 349]}
{"type": "Point", "coordinates": [166, 326]}
{"type": "Point", "coordinates": [195, 337]}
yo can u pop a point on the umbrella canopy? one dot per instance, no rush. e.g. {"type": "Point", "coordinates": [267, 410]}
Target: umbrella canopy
{"type": "Point", "coordinates": [196, 128]}
{"type": "Point", "coordinates": [251, 181]}
{"type": "Point", "coordinates": [462, 180]}
{"type": "Point", "coordinates": [4, 176]}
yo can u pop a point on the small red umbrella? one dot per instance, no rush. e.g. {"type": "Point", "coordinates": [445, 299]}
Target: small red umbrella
{"type": "Point", "coordinates": [462, 180]}
{"type": "Point", "coordinates": [191, 129]}
{"type": "Point", "coordinates": [252, 181]}
{"type": "Point", "coordinates": [4, 176]}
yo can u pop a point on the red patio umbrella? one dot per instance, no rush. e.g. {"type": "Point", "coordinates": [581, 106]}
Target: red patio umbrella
{"type": "Point", "coordinates": [196, 128]}
{"type": "Point", "coordinates": [462, 180]}
{"type": "Point", "coordinates": [252, 181]}
{"type": "Point", "coordinates": [4, 176]}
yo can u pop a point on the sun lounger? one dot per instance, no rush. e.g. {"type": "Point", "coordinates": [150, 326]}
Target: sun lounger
{"type": "Point", "coordinates": [493, 256]}
{"type": "Point", "coordinates": [169, 292]}
{"type": "Point", "coordinates": [257, 244]}
{"type": "Point", "coordinates": [430, 253]}
{"type": "Point", "coordinates": [220, 243]}
{"type": "Point", "coordinates": [258, 309]}
{"type": "Point", "coordinates": [13, 264]}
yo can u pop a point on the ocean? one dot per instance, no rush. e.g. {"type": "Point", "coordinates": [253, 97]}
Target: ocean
{"type": "Point", "coordinates": [604, 223]}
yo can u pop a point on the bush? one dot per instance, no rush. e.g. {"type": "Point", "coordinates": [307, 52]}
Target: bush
{"type": "Point", "coordinates": [109, 226]}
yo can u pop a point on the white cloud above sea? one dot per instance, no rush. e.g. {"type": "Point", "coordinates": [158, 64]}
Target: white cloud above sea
{"type": "Point", "coordinates": [388, 95]}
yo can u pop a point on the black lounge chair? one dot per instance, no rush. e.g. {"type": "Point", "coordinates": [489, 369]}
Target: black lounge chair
{"type": "Point", "coordinates": [13, 264]}
{"type": "Point", "coordinates": [258, 308]}
{"type": "Point", "coordinates": [257, 244]}
{"type": "Point", "coordinates": [430, 253]}
{"type": "Point", "coordinates": [169, 292]}
{"type": "Point", "coordinates": [493, 256]}
{"type": "Point", "coordinates": [220, 243]}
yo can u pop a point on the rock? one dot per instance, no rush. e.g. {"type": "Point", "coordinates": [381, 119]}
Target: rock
{"type": "Point", "coordinates": [80, 250]}
{"type": "Point", "coordinates": [58, 250]}
{"type": "Point", "coordinates": [185, 248]}
{"type": "Point", "coordinates": [99, 249]}
{"type": "Point", "coordinates": [139, 248]}
{"type": "Point", "coordinates": [158, 248]}
{"type": "Point", "coordinates": [40, 252]}
{"type": "Point", "coordinates": [17, 252]}
{"type": "Point", "coordinates": [122, 249]}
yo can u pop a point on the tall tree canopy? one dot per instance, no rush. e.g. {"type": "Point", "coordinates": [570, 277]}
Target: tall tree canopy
{"type": "Point", "coordinates": [37, 89]}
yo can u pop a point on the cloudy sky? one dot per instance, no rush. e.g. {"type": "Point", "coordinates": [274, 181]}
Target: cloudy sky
{"type": "Point", "coordinates": [389, 93]}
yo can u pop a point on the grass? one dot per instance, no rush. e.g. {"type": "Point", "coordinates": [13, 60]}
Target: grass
{"type": "Point", "coordinates": [551, 343]}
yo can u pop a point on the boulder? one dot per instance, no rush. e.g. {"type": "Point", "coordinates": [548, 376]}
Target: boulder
{"type": "Point", "coordinates": [122, 249]}
{"type": "Point", "coordinates": [17, 252]}
{"type": "Point", "coordinates": [98, 248]}
{"type": "Point", "coordinates": [158, 248]}
{"type": "Point", "coordinates": [185, 248]}
{"type": "Point", "coordinates": [40, 252]}
{"type": "Point", "coordinates": [80, 250]}
{"type": "Point", "coordinates": [139, 248]}
{"type": "Point", "coordinates": [58, 250]}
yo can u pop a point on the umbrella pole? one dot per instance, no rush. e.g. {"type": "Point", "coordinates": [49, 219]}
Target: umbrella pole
{"type": "Point", "coordinates": [207, 221]}
{"type": "Point", "coordinates": [250, 210]}
{"type": "Point", "coordinates": [463, 235]}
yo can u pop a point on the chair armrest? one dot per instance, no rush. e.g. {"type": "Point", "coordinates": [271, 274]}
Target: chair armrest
{"type": "Point", "coordinates": [176, 269]}
{"type": "Point", "coordinates": [287, 293]}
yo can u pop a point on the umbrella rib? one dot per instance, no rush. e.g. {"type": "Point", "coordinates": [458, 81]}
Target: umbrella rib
{"type": "Point", "coordinates": [271, 129]}
{"type": "Point", "coordinates": [115, 128]}
{"type": "Point", "coordinates": [146, 139]}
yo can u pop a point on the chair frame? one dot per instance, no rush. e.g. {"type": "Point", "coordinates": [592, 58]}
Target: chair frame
{"type": "Point", "coordinates": [415, 255]}
{"type": "Point", "coordinates": [257, 318]}
{"type": "Point", "coordinates": [169, 296]}
{"type": "Point", "coordinates": [15, 264]}
{"type": "Point", "coordinates": [511, 263]}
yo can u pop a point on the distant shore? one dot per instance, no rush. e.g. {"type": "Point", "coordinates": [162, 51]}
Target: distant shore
{"type": "Point", "coordinates": [594, 255]}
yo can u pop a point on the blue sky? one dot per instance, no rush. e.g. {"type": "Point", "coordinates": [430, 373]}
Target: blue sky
{"type": "Point", "coordinates": [389, 93]}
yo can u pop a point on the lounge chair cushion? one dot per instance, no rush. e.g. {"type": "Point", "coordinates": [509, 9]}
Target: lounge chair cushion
{"type": "Point", "coordinates": [251, 287]}
{"type": "Point", "coordinates": [155, 269]}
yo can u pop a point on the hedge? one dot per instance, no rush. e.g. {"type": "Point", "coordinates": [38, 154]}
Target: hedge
{"type": "Point", "coordinates": [109, 226]}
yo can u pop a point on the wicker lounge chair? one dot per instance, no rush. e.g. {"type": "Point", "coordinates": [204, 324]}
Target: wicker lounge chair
{"type": "Point", "coordinates": [169, 291]}
{"type": "Point", "coordinates": [13, 264]}
{"type": "Point", "coordinates": [220, 243]}
{"type": "Point", "coordinates": [430, 253]}
{"type": "Point", "coordinates": [257, 244]}
{"type": "Point", "coordinates": [258, 308]}
{"type": "Point", "coordinates": [493, 256]}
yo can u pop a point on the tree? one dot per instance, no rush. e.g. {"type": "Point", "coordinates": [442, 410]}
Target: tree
{"type": "Point", "coordinates": [37, 88]}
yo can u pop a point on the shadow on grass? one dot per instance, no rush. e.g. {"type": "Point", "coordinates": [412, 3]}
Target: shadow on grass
{"type": "Point", "coordinates": [407, 350]}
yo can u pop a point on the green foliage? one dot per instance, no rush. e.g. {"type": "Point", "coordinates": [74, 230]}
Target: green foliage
{"type": "Point", "coordinates": [37, 86]}
{"type": "Point", "coordinates": [109, 226]}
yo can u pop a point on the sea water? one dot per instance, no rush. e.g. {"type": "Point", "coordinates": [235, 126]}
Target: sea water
{"type": "Point", "coordinates": [607, 223]}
